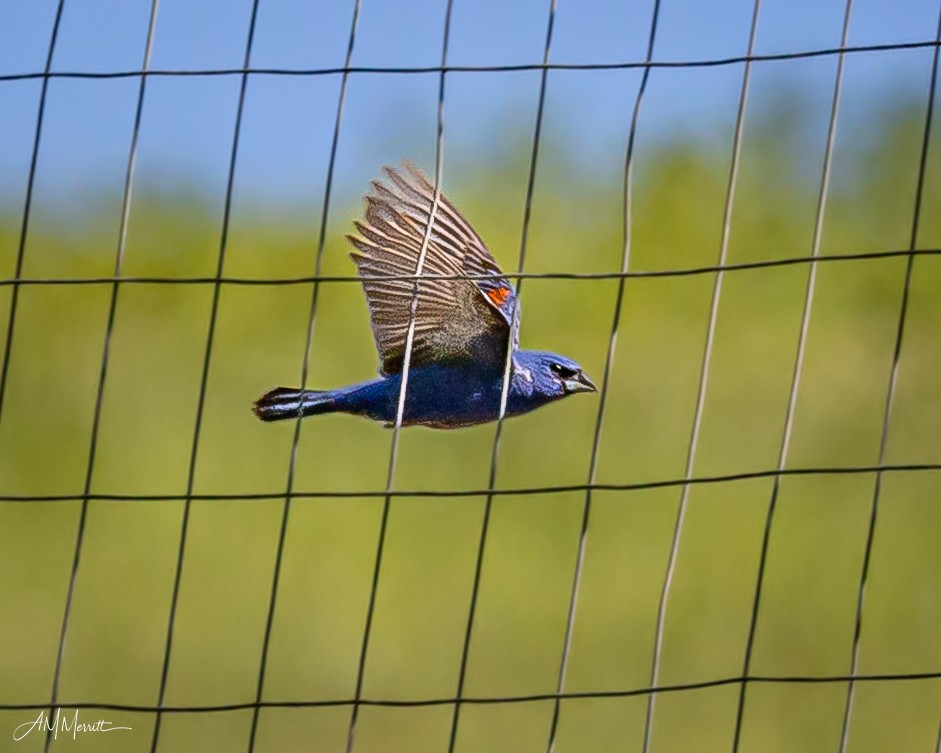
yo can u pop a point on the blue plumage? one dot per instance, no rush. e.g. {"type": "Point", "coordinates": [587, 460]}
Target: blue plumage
{"type": "Point", "coordinates": [462, 326]}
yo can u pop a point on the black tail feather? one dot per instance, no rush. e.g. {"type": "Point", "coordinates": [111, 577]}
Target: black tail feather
{"type": "Point", "coordinates": [287, 402]}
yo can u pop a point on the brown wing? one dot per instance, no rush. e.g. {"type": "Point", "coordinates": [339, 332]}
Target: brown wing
{"type": "Point", "coordinates": [454, 319]}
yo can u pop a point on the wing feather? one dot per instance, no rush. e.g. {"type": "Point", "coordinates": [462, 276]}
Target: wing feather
{"type": "Point", "coordinates": [456, 318]}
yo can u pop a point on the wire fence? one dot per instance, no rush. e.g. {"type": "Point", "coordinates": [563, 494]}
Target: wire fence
{"type": "Point", "coordinates": [117, 281]}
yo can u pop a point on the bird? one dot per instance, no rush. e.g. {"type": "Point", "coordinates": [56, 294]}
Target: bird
{"type": "Point", "coordinates": [463, 311]}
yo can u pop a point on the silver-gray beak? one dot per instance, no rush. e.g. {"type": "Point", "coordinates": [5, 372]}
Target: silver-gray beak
{"type": "Point", "coordinates": [579, 383]}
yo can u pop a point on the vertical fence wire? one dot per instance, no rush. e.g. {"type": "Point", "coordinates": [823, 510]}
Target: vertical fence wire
{"type": "Point", "coordinates": [504, 392]}
{"type": "Point", "coordinates": [403, 389]}
{"type": "Point", "coordinates": [305, 371]}
{"type": "Point", "coordinates": [204, 378]}
{"type": "Point", "coordinates": [126, 197]}
{"type": "Point", "coordinates": [794, 391]}
{"type": "Point", "coordinates": [890, 393]}
{"type": "Point", "coordinates": [28, 204]}
{"type": "Point", "coordinates": [703, 380]}
{"type": "Point", "coordinates": [627, 231]}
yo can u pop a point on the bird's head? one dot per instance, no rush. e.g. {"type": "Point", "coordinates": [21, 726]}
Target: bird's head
{"type": "Point", "coordinates": [550, 374]}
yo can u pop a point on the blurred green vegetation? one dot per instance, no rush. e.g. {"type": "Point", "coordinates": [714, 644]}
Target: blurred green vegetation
{"type": "Point", "coordinates": [116, 639]}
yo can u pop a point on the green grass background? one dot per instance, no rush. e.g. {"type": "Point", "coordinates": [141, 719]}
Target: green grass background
{"type": "Point", "coordinates": [119, 619]}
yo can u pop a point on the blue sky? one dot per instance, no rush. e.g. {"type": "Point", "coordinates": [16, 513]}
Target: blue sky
{"type": "Point", "coordinates": [288, 121]}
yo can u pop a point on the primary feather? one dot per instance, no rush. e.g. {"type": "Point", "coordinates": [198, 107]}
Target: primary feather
{"type": "Point", "coordinates": [459, 318]}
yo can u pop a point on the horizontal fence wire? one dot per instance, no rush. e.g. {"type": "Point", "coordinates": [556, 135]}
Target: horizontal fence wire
{"type": "Point", "coordinates": [487, 700]}
{"type": "Point", "coordinates": [482, 492]}
{"type": "Point", "coordinates": [613, 66]}
{"type": "Point", "coordinates": [622, 275]}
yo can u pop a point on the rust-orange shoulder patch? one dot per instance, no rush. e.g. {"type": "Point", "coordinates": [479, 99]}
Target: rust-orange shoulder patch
{"type": "Point", "coordinates": [499, 295]}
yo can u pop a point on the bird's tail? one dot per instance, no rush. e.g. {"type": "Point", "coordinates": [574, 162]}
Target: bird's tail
{"type": "Point", "coordinates": [287, 402]}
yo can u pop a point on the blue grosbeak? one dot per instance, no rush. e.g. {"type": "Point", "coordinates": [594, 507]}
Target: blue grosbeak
{"type": "Point", "coordinates": [463, 326]}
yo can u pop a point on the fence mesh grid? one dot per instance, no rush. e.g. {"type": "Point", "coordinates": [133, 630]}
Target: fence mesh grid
{"type": "Point", "coordinates": [220, 279]}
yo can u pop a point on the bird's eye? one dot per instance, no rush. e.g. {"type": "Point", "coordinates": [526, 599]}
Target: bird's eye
{"type": "Point", "coordinates": [564, 372]}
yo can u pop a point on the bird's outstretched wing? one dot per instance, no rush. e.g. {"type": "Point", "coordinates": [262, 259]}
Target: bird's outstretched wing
{"type": "Point", "coordinates": [455, 319]}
